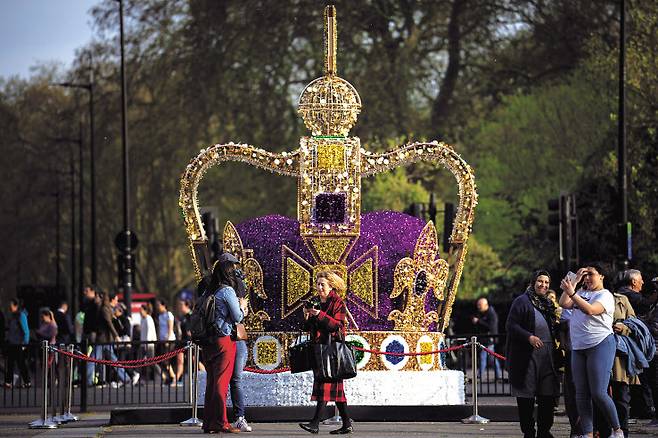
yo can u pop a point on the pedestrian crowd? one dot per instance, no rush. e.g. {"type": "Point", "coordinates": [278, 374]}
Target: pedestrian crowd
{"type": "Point", "coordinates": [105, 326]}
{"type": "Point", "coordinates": [598, 340]}
{"type": "Point", "coordinates": [595, 340]}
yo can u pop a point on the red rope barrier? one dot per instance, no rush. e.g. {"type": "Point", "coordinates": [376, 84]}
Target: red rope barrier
{"type": "Point", "coordinates": [422, 353]}
{"type": "Point", "coordinates": [259, 371]}
{"type": "Point", "coordinates": [493, 353]}
{"type": "Point", "coordinates": [134, 363]}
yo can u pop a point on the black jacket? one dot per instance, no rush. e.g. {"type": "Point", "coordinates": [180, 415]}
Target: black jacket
{"type": "Point", "coordinates": [65, 328]}
{"type": "Point", "coordinates": [520, 326]}
{"type": "Point", "coordinates": [639, 302]}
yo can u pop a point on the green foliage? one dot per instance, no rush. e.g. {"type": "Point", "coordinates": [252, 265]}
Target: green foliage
{"type": "Point", "coordinates": [482, 271]}
{"type": "Point", "coordinates": [525, 89]}
{"type": "Point", "coordinates": [391, 191]}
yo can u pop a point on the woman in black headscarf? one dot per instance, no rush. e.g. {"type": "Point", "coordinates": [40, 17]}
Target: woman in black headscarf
{"type": "Point", "coordinates": [531, 328]}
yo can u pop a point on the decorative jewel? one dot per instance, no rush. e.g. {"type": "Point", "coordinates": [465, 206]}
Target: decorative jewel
{"type": "Point", "coordinates": [267, 352]}
{"type": "Point", "coordinates": [424, 345]}
{"type": "Point", "coordinates": [394, 344]}
{"type": "Point", "coordinates": [362, 357]}
{"type": "Point", "coordinates": [419, 276]}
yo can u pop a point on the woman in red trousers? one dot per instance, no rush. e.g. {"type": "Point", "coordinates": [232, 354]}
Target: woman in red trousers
{"type": "Point", "coordinates": [219, 353]}
{"type": "Point", "coordinates": [328, 320]}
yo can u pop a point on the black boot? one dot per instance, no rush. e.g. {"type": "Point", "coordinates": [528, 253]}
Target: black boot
{"type": "Point", "coordinates": [347, 423]}
{"type": "Point", "coordinates": [310, 427]}
{"type": "Point", "coordinates": [346, 428]}
{"type": "Point", "coordinates": [526, 416]}
{"type": "Point", "coordinates": [313, 426]}
{"type": "Point", "coordinates": [544, 416]}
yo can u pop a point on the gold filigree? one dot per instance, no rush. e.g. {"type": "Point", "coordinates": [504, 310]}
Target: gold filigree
{"type": "Point", "coordinates": [417, 277]}
{"type": "Point", "coordinates": [373, 338]}
{"type": "Point", "coordinates": [294, 287]}
{"type": "Point", "coordinates": [231, 240]}
{"type": "Point", "coordinates": [330, 250]}
{"type": "Point", "coordinates": [361, 283]}
{"type": "Point", "coordinates": [298, 280]}
{"type": "Point", "coordinates": [364, 282]}
{"type": "Point", "coordinates": [330, 106]}
{"type": "Point", "coordinates": [331, 157]}
{"type": "Point", "coordinates": [267, 353]}
{"type": "Point", "coordinates": [253, 273]}
{"type": "Point", "coordinates": [314, 181]}
{"type": "Point", "coordinates": [424, 348]}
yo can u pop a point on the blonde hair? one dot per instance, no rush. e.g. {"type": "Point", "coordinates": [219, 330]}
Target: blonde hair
{"type": "Point", "coordinates": [334, 280]}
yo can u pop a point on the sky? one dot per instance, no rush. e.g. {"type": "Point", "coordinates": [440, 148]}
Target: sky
{"type": "Point", "coordinates": [41, 31]}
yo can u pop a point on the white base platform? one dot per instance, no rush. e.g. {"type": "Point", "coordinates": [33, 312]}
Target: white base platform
{"type": "Point", "coordinates": [368, 388]}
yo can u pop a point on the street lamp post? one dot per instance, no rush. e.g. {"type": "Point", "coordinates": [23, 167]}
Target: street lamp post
{"type": "Point", "coordinates": [74, 286]}
{"type": "Point", "coordinates": [622, 176]}
{"type": "Point", "coordinates": [126, 244]}
{"type": "Point", "coordinates": [92, 159]}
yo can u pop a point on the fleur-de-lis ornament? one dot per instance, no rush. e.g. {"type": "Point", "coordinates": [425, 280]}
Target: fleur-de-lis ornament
{"type": "Point", "coordinates": [418, 276]}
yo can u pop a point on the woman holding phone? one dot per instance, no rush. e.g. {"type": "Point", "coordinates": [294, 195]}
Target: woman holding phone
{"type": "Point", "coordinates": [531, 328]}
{"type": "Point", "coordinates": [593, 344]}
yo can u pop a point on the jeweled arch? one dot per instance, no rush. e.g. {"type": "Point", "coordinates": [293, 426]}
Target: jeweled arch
{"type": "Point", "coordinates": [329, 166]}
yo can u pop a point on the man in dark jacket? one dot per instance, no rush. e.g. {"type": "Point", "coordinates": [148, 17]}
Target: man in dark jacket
{"type": "Point", "coordinates": [631, 287]}
{"type": "Point", "coordinates": [65, 328]}
{"type": "Point", "coordinates": [486, 322]}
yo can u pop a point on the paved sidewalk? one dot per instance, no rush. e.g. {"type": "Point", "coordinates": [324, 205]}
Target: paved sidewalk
{"type": "Point", "coordinates": [94, 425]}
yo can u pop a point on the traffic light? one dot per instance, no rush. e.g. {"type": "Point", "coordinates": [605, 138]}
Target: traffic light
{"type": "Point", "coordinates": [555, 223]}
{"type": "Point", "coordinates": [563, 228]}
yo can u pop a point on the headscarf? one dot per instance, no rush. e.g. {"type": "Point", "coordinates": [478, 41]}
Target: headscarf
{"type": "Point", "coordinates": [542, 303]}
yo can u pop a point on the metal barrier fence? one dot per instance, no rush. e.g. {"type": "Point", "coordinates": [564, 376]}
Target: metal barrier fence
{"type": "Point", "coordinates": [109, 386]}
{"type": "Point", "coordinates": [97, 384]}
{"type": "Point", "coordinates": [492, 379]}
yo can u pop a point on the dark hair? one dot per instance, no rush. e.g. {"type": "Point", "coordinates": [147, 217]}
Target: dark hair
{"type": "Point", "coordinates": [148, 308]}
{"type": "Point", "coordinates": [538, 273]}
{"type": "Point", "coordinates": [222, 273]}
{"type": "Point", "coordinates": [111, 296]}
{"type": "Point", "coordinates": [17, 302]}
{"type": "Point", "coordinates": [204, 284]}
{"type": "Point", "coordinates": [600, 268]}
{"type": "Point", "coordinates": [185, 301]}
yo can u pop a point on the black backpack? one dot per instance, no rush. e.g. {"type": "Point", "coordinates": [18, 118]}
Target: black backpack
{"type": "Point", "coordinates": [202, 319]}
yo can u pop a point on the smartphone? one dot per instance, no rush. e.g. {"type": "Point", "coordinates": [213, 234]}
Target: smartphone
{"type": "Point", "coordinates": [571, 277]}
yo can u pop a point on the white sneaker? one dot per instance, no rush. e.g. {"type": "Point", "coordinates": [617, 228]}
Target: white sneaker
{"type": "Point", "coordinates": [135, 378]}
{"type": "Point", "coordinates": [116, 384]}
{"type": "Point", "coordinates": [617, 434]}
{"type": "Point", "coordinates": [242, 424]}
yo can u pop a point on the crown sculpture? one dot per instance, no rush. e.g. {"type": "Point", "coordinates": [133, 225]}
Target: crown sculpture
{"type": "Point", "coordinates": [400, 291]}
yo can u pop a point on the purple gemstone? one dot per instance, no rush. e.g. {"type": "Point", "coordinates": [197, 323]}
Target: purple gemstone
{"type": "Point", "coordinates": [329, 208]}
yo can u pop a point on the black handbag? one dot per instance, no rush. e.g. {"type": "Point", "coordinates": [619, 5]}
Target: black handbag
{"type": "Point", "coordinates": [301, 357]}
{"type": "Point", "coordinates": [334, 360]}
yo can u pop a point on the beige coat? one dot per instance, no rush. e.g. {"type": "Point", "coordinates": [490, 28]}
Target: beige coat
{"type": "Point", "coordinates": [623, 310]}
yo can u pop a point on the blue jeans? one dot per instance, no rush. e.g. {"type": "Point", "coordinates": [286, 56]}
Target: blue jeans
{"type": "Point", "coordinates": [483, 362]}
{"type": "Point", "coordinates": [591, 370]}
{"type": "Point", "coordinates": [107, 352]}
{"type": "Point", "coordinates": [237, 394]}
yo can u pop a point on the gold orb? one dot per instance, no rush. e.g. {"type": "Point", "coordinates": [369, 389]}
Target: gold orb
{"type": "Point", "coordinates": [329, 106]}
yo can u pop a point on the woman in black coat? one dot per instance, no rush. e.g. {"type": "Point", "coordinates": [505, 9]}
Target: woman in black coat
{"type": "Point", "coordinates": [531, 327]}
